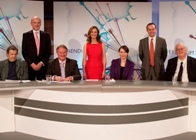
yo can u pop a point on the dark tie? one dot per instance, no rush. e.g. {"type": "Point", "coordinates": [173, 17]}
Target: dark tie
{"type": "Point", "coordinates": [180, 72]}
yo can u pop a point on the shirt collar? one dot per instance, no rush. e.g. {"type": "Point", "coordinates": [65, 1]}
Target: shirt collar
{"type": "Point", "coordinates": [35, 31]}
{"type": "Point", "coordinates": [62, 61]}
{"type": "Point", "coordinates": [184, 61]}
{"type": "Point", "coordinates": [149, 38]}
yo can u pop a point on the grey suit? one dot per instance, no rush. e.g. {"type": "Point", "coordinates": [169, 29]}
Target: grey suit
{"type": "Point", "coordinates": [21, 69]}
{"type": "Point", "coordinates": [71, 68]}
{"type": "Point", "coordinates": [160, 56]}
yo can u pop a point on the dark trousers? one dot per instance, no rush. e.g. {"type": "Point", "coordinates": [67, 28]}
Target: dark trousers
{"type": "Point", "coordinates": [152, 75]}
{"type": "Point", "coordinates": [37, 75]}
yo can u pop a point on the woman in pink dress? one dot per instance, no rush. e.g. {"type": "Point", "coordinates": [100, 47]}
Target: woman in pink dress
{"type": "Point", "coordinates": [94, 56]}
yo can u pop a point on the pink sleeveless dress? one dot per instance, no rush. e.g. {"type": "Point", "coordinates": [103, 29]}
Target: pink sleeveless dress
{"type": "Point", "coordinates": [94, 64]}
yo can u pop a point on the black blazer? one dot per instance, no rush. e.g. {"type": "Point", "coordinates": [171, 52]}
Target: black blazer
{"type": "Point", "coordinates": [71, 68]}
{"type": "Point", "coordinates": [191, 68]}
{"type": "Point", "coordinates": [29, 50]}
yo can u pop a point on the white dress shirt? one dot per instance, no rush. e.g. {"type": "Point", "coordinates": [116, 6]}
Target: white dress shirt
{"type": "Point", "coordinates": [184, 73]}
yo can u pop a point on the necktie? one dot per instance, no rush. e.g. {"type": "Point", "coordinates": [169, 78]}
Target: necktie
{"type": "Point", "coordinates": [151, 53]}
{"type": "Point", "coordinates": [62, 71]}
{"type": "Point", "coordinates": [37, 42]}
{"type": "Point", "coordinates": [180, 72]}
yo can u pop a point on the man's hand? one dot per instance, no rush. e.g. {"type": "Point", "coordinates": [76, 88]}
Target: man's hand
{"type": "Point", "coordinates": [69, 78]}
{"type": "Point", "coordinates": [58, 78]}
{"type": "Point", "coordinates": [34, 66]}
{"type": "Point", "coordinates": [39, 65]}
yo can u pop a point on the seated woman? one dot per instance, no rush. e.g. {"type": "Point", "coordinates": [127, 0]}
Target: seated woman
{"type": "Point", "coordinates": [122, 68]}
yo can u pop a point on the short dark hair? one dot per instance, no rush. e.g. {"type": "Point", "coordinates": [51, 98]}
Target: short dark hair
{"type": "Point", "coordinates": [12, 47]}
{"type": "Point", "coordinates": [61, 46]}
{"type": "Point", "coordinates": [125, 48]}
{"type": "Point", "coordinates": [150, 24]}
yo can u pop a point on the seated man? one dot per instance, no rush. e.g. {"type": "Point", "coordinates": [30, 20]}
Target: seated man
{"type": "Point", "coordinates": [13, 68]}
{"type": "Point", "coordinates": [63, 68]}
{"type": "Point", "coordinates": [182, 67]}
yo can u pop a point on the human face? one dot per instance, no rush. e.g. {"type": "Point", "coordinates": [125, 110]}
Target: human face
{"type": "Point", "coordinates": [181, 51]}
{"type": "Point", "coordinates": [36, 23]}
{"type": "Point", "coordinates": [62, 54]}
{"type": "Point", "coordinates": [151, 29]}
{"type": "Point", "coordinates": [94, 33]}
{"type": "Point", "coordinates": [12, 55]}
{"type": "Point", "coordinates": [123, 54]}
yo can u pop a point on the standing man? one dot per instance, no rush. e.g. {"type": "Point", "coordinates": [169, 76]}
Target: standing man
{"type": "Point", "coordinates": [152, 53]}
{"type": "Point", "coordinates": [36, 50]}
{"type": "Point", "coordinates": [63, 68]}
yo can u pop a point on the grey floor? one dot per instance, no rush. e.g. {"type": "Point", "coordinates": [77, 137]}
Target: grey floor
{"type": "Point", "coordinates": [184, 136]}
{"type": "Point", "coordinates": [19, 136]}
{"type": "Point", "coordinates": [22, 136]}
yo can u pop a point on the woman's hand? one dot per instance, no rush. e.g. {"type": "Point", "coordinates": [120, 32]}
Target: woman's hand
{"type": "Point", "coordinates": [84, 76]}
{"type": "Point", "coordinates": [103, 75]}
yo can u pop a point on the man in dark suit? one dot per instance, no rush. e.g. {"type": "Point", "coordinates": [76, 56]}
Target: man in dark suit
{"type": "Point", "coordinates": [63, 68]}
{"type": "Point", "coordinates": [13, 68]}
{"type": "Point", "coordinates": [188, 66]}
{"type": "Point", "coordinates": [152, 59]}
{"type": "Point", "coordinates": [36, 50]}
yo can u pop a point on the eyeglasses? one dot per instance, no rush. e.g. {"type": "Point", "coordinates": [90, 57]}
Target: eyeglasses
{"type": "Point", "coordinates": [180, 49]}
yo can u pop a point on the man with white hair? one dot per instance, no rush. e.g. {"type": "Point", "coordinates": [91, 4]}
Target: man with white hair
{"type": "Point", "coordinates": [182, 67]}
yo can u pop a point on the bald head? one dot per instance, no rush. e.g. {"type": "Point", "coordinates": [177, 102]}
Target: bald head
{"type": "Point", "coordinates": [35, 17]}
{"type": "Point", "coordinates": [36, 23]}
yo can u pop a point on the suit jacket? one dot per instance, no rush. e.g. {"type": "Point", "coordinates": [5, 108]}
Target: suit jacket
{"type": "Point", "coordinates": [115, 70]}
{"type": "Point", "coordinates": [160, 57]}
{"type": "Point", "coordinates": [21, 69]}
{"type": "Point", "coordinates": [191, 68]}
{"type": "Point", "coordinates": [71, 68]}
{"type": "Point", "coordinates": [29, 50]}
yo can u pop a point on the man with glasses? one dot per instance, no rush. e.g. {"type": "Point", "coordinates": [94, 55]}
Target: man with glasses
{"type": "Point", "coordinates": [182, 67]}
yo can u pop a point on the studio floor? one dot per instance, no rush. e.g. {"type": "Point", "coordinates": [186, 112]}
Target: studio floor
{"type": "Point", "coordinates": [22, 136]}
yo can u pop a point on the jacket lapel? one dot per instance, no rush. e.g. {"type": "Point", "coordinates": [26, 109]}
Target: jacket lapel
{"type": "Point", "coordinates": [174, 66]}
{"type": "Point", "coordinates": [147, 48]}
{"type": "Point", "coordinates": [67, 66]}
{"type": "Point", "coordinates": [118, 68]}
{"type": "Point", "coordinates": [18, 65]}
{"type": "Point", "coordinates": [6, 65]}
{"type": "Point", "coordinates": [40, 42]}
{"type": "Point", "coordinates": [156, 47]}
{"type": "Point", "coordinates": [57, 67]}
{"type": "Point", "coordinates": [189, 68]}
{"type": "Point", "coordinates": [125, 70]}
